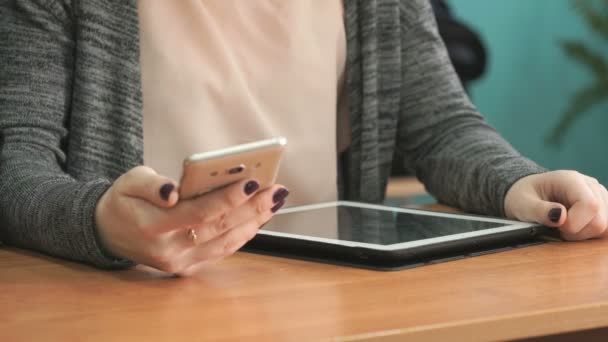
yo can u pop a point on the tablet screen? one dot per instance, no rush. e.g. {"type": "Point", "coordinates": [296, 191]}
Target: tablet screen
{"type": "Point", "coordinates": [370, 225]}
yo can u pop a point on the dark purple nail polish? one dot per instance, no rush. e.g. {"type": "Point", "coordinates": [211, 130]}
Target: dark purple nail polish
{"type": "Point", "coordinates": [251, 187]}
{"type": "Point", "coordinates": [280, 195]}
{"type": "Point", "coordinates": [555, 214]}
{"type": "Point", "coordinates": [166, 190]}
{"type": "Point", "coordinates": [277, 206]}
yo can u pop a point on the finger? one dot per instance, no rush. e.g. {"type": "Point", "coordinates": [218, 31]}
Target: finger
{"type": "Point", "coordinates": [227, 243]}
{"type": "Point", "coordinates": [550, 214]}
{"type": "Point", "coordinates": [604, 193]}
{"type": "Point", "coordinates": [209, 207]}
{"type": "Point", "coordinates": [223, 224]}
{"type": "Point", "coordinates": [585, 206]}
{"type": "Point", "coordinates": [599, 223]}
{"type": "Point", "coordinates": [260, 204]}
{"type": "Point", "coordinates": [144, 183]}
{"type": "Point", "coordinates": [592, 230]}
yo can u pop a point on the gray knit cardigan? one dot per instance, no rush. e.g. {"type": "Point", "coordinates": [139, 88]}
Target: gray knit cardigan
{"type": "Point", "coordinates": [71, 117]}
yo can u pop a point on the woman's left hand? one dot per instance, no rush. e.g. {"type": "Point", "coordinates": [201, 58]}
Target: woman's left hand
{"type": "Point", "coordinates": [574, 203]}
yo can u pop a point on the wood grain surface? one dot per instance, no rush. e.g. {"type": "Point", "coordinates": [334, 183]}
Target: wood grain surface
{"type": "Point", "coordinates": [551, 288]}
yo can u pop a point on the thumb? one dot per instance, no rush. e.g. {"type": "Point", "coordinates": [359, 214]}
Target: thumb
{"type": "Point", "coordinates": [144, 183]}
{"type": "Point", "coordinates": [550, 214]}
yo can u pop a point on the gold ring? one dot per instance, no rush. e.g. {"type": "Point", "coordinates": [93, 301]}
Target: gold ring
{"type": "Point", "coordinates": [192, 235]}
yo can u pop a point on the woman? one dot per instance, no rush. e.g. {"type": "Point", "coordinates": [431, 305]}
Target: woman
{"type": "Point", "coordinates": [87, 84]}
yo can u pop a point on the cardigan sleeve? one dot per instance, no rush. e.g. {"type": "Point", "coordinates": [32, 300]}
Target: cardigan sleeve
{"type": "Point", "coordinates": [461, 160]}
{"type": "Point", "coordinates": [41, 206]}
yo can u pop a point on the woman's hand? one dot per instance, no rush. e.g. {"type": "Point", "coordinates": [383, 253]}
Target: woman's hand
{"type": "Point", "coordinates": [140, 218]}
{"type": "Point", "coordinates": [574, 203]}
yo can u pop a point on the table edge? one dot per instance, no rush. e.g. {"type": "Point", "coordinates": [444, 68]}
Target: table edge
{"type": "Point", "coordinates": [505, 327]}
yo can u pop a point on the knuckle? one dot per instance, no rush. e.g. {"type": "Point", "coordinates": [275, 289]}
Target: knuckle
{"type": "Point", "coordinates": [570, 174]}
{"type": "Point", "coordinates": [594, 206]}
{"type": "Point", "coordinates": [202, 215]}
{"type": "Point", "coordinates": [220, 226]}
{"type": "Point", "coordinates": [260, 208]}
{"type": "Point", "coordinates": [123, 180]}
{"type": "Point", "coordinates": [137, 169]}
{"type": "Point", "coordinates": [231, 200]}
{"type": "Point", "coordinates": [134, 173]}
{"type": "Point", "coordinates": [576, 173]}
{"type": "Point", "coordinates": [141, 169]}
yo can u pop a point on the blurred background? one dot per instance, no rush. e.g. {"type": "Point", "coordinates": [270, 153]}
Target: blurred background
{"type": "Point", "coordinates": [527, 66]}
{"type": "Point", "coordinates": [530, 81]}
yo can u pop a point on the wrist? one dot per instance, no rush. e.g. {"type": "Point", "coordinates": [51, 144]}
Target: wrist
{"type": "Point", "coordinates": [101, 227]}
{"type": "Point", "coordinates": [519, 195]}
{"type": "Point", "coordinates": [513, 196]}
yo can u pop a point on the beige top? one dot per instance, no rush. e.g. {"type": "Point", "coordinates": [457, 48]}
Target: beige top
{"type": "Point", "coordinates": [217, 73]}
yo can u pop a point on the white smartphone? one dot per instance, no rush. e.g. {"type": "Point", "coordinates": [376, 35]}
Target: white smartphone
{"type": "Point", "coordinates": [204, 172]}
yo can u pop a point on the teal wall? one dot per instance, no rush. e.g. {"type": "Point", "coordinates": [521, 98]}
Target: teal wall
{"type": "Point", "coordinates": [530, 81]}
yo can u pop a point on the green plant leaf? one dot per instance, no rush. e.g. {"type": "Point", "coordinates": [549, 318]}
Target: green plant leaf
{"type": "Point", "coordinates": [582, 102]}
{"type": "Point", "coordinates": [598, 22]}
{"type": "Point", "coordinates": [591, 59]}
{"type": "Point", "coordinates": [604, 10]}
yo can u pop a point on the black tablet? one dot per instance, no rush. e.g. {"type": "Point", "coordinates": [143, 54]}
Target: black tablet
{"type": "Point", "coordinates": [386, 238]}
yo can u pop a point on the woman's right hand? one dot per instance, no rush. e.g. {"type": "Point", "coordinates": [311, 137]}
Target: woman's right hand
{"type": "Point", "coordinates": [141, 218]}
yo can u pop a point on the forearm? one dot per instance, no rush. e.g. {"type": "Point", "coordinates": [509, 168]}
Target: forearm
{"type": "Point", "coordinates": [41, 206]}
{"type": "Point", "coordinates": [471, 167]}
{"type": "Point", "coordinates": [50, 212]}
{"type": "Point", "coordinates": [460, 158]}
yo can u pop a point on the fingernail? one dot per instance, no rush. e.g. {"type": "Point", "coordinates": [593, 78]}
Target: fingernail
{"type": "Point", "coordinates": [280, 195]}
{"type": "Point", "coordinates": [251, 187]}
{"type": "Point", "coordinates": [555, 214]}
{"type": "Point", "coordinates": [166, 190]}
{"type": "Point", "coordinates": [277, 206]}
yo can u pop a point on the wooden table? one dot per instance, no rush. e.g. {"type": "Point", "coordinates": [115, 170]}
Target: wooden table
{"type": "Point", "coordinates": [551, 288]}
{"type": "Point", "coordinates": [403, 187]}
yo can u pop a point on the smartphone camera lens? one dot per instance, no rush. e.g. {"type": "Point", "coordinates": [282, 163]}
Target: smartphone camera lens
{"type": "Point", "coordinates": [237, 169]}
